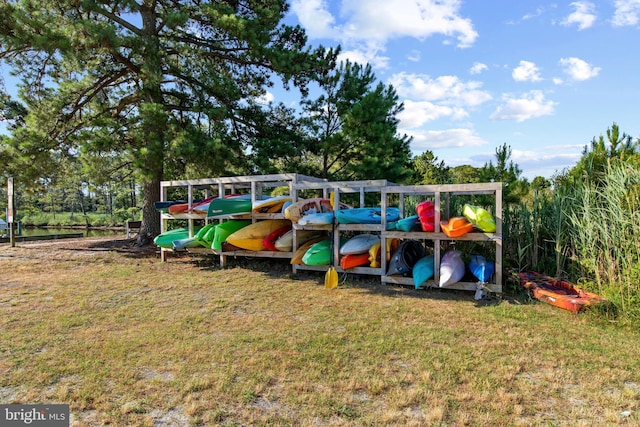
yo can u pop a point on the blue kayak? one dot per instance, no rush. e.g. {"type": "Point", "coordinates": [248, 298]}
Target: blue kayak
{"type": "Point", "coordinates": [366, 215]}
{"type": "Point", "coordinates": [481, 268]}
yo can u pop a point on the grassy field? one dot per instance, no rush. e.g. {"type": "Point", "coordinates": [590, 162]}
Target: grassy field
{"type": "Point", "coordinates": [127, 340]}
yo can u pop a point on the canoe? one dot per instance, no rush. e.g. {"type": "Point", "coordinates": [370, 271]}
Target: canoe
{"type": "Point", "coordinates": [366, 215]}
{"type": "Point", "coordinates": [423, 270]}
{"type": "Point", "coordinates": [296, 258]}
{"type": "Point", "coordinates": [252, 236]}
{"type": "Point", "coordinates": [165, 240]}
{"type": "Point", "coordinates": [318, 254]}
{"type": "Point", "coordinates": [481, 268]}
{"type": "Point", "coordinates": [426, 213]}
{"type": "Point", "coordinates": [456, 226]}
{"type": "Point", "coordinates": [480, 217]}
{"type": "Point", "coordinates": [359, 244]}
{"type": "Point", "coordinates": [269, 241]}
{"type": "Point", "coordinates": [229, 206]}
{"type": "Point", "coordinates": [354, 260]}
{"type": "Point", "coordinates": [321, 218]}
{"type": "Point", "coordinates": [411, 223]}
{"type": "Point", "coordinates": [452, 268]}
{"type": "Point", "coordinates": [405, 257]}
{"type": "Point", "coordinates": [270, 205]}
{"type": "Point", "coordinates": [225, 229]}
{"type": "Point", "coordinates": [559, 293]}
{"type": "Point", "coordinates": [285, 243]}
{"type": "Point", "coordinates": [374, 252]}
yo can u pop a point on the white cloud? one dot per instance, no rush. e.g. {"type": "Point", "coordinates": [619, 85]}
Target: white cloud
{"type": "Point", "coordinates": [265, 99]}
{"type": "Point", "coordinates": [447, 90]}
{"type": "Point", "coordinates": [381, 20]}
{"type": "Point", "coordinates": [314, 16]}
{"type": "Point", "coordinates": [414, 56]}
{"type": "Point", "coordinates": [526, 72]}
{"type": "Point", "coordinates": [627, 13]}
{"type": "Point", "coordinates": [366, 55]}
{"type": "Point", "coordinates": [578, 69]}
{"type": "Point", "coordinates": [478, 67]}
{"type": "Point", "coordinates": [531, 105]}
{"type": "Point", "coordinates": [584, 15]}
{"type": "Point", "coordinates": [438, 139]}
{"type": "Point", "coordinates": [416, 114]}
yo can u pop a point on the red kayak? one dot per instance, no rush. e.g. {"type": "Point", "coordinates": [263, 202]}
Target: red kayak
{"type": "Point", "coordinates": [559, 293]}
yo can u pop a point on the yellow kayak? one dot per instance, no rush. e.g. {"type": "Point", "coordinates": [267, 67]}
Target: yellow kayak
{"type": "Point", "coordinates": [252, 236]}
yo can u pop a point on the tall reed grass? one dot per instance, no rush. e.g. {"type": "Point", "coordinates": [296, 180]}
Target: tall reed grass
{"type": "Point", "coordinates": [605, 233]}
{"type": "Point", "coordinates": [586, 231]}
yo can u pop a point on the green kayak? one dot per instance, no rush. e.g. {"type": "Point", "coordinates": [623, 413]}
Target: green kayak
{"type": "Point", "coordinates": [224, 230]}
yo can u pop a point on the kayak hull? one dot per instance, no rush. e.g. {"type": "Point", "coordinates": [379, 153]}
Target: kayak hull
{"type": "Point", "coordinates": [252, 236]}
{"type": "Point", "coordinates": [354, 260]}
{"type": "Point", "coordinates": [224, 230]}
{"type": "Point", "coordinates": [452, 268]}
{"type": "Point", "coordinates": [366, 215]}
{"type": "Point", "coordinates": [423, 270]}
{"type": "Point", "coordinates": [405, 257]}
{"type": "Point", "coordinates": [559, 293]}
{"type": "Point", "coordinates": [480, 217]}
{"type": "Point", "coordinates": [359, 244]}
{"type": "Point", "coordinates": [456, 226]}
{"type": "Point", "coordinates": [481, 268]}
{"type": "Point", "coordinates": [229, 206]}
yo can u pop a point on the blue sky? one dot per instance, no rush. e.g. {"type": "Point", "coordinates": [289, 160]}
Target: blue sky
{"type": "Point", "coordinates": [543, 77]}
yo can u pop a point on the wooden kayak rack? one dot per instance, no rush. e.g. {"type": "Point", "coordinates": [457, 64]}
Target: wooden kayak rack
{"type": "Point", "coordinates": [447, 198]}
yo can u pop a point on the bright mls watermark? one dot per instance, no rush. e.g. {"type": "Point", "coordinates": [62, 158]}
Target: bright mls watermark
{"type": "Point", "coordinates": [34, 415]}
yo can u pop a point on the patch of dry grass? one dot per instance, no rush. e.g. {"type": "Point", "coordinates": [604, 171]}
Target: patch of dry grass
{"type": "Point", "coordinates": [127, 340]}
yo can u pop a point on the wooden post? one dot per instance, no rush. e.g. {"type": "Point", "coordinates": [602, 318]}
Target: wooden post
{"type": "Point", "coordinates": [10, 211]}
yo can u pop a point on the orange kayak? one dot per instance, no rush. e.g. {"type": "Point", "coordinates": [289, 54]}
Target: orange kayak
{"type": "Point", "coordinates": [354, 260]}
{"type": "Point", "coordinates": [559, 293]}
{"type": "Point", "coordinates": [456, 226]}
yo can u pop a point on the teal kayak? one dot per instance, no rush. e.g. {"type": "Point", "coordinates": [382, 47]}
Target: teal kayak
{"type": "Point", "coordinates": [423, 270]}
{"type": "Point", "coordinates": [318, 254]}
{"type": "Point", "coordinates": [366, 215]}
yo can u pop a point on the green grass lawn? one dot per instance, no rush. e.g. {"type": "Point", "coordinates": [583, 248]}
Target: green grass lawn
{"type": "Point", "coordinates": [127, 340]}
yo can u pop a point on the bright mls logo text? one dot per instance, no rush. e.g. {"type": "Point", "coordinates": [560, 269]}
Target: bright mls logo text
{"type": "Point", "coordinates": [36, 415]}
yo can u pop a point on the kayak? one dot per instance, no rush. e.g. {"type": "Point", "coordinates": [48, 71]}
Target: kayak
{"type": "Point", "coordinates": [296, 211]}
{"type": "Point", "coordinates": [374, 252]}
{"type": "Point", "coordinates": [321, 218]}
{"type": "Point", "coordinates": [354, 260]}
{"type": "Point", "coordinates": [187, 242]}
{"type": "Point", "coordinates": [297, 256]}
{"type": "Point", "coordinates": [481, 268]}
{"type": "Point", "coordinates": [480, 217]}
{"type": "Point", "coordinates": [456, 226]}
{"type": "Point", "coordinates": [270, 205]}
{"type": "Point", "coordinates": [225, 229]}
{"type": "Point", "coordinates": [423, 270]}
{"type": "Point", "coordinates": [252, 236]}
{"type": "Point", "coordinates": [318, 254]}
{"type": "Point", "coordinates": [165, 240]}
{"type": "Point", "coordinates": [452, 268]}
{"type": "Point", "coordinates": [229, 206]}
{"type": "Point", "coordinates": [164, 206]}
{"type": "Point", "coordinates": [559, 293]}
{"type": "Point", "coordinates": [179, 208]}
{"type": "Point", "coordinates": [366, 215]}
{"type": "Point", "coordinates": [285, 242]}
{"type": "Point", "coordinates": [405, 257]}
{"type": "Point", "coordinates": [269, 241]}
{"type": "Point", "coordinates": [411, 223]}
{"type": "Point", "coordinates": [426, 213]}
{"type": "Point", "coordinates": [359, 244]}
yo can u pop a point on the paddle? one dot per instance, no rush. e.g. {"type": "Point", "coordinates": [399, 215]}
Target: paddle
{"type": "Point", "coordinates": [331, 278]}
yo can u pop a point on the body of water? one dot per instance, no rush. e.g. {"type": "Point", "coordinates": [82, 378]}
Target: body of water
{"type": "Point", "coordinates": [92, 232]}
